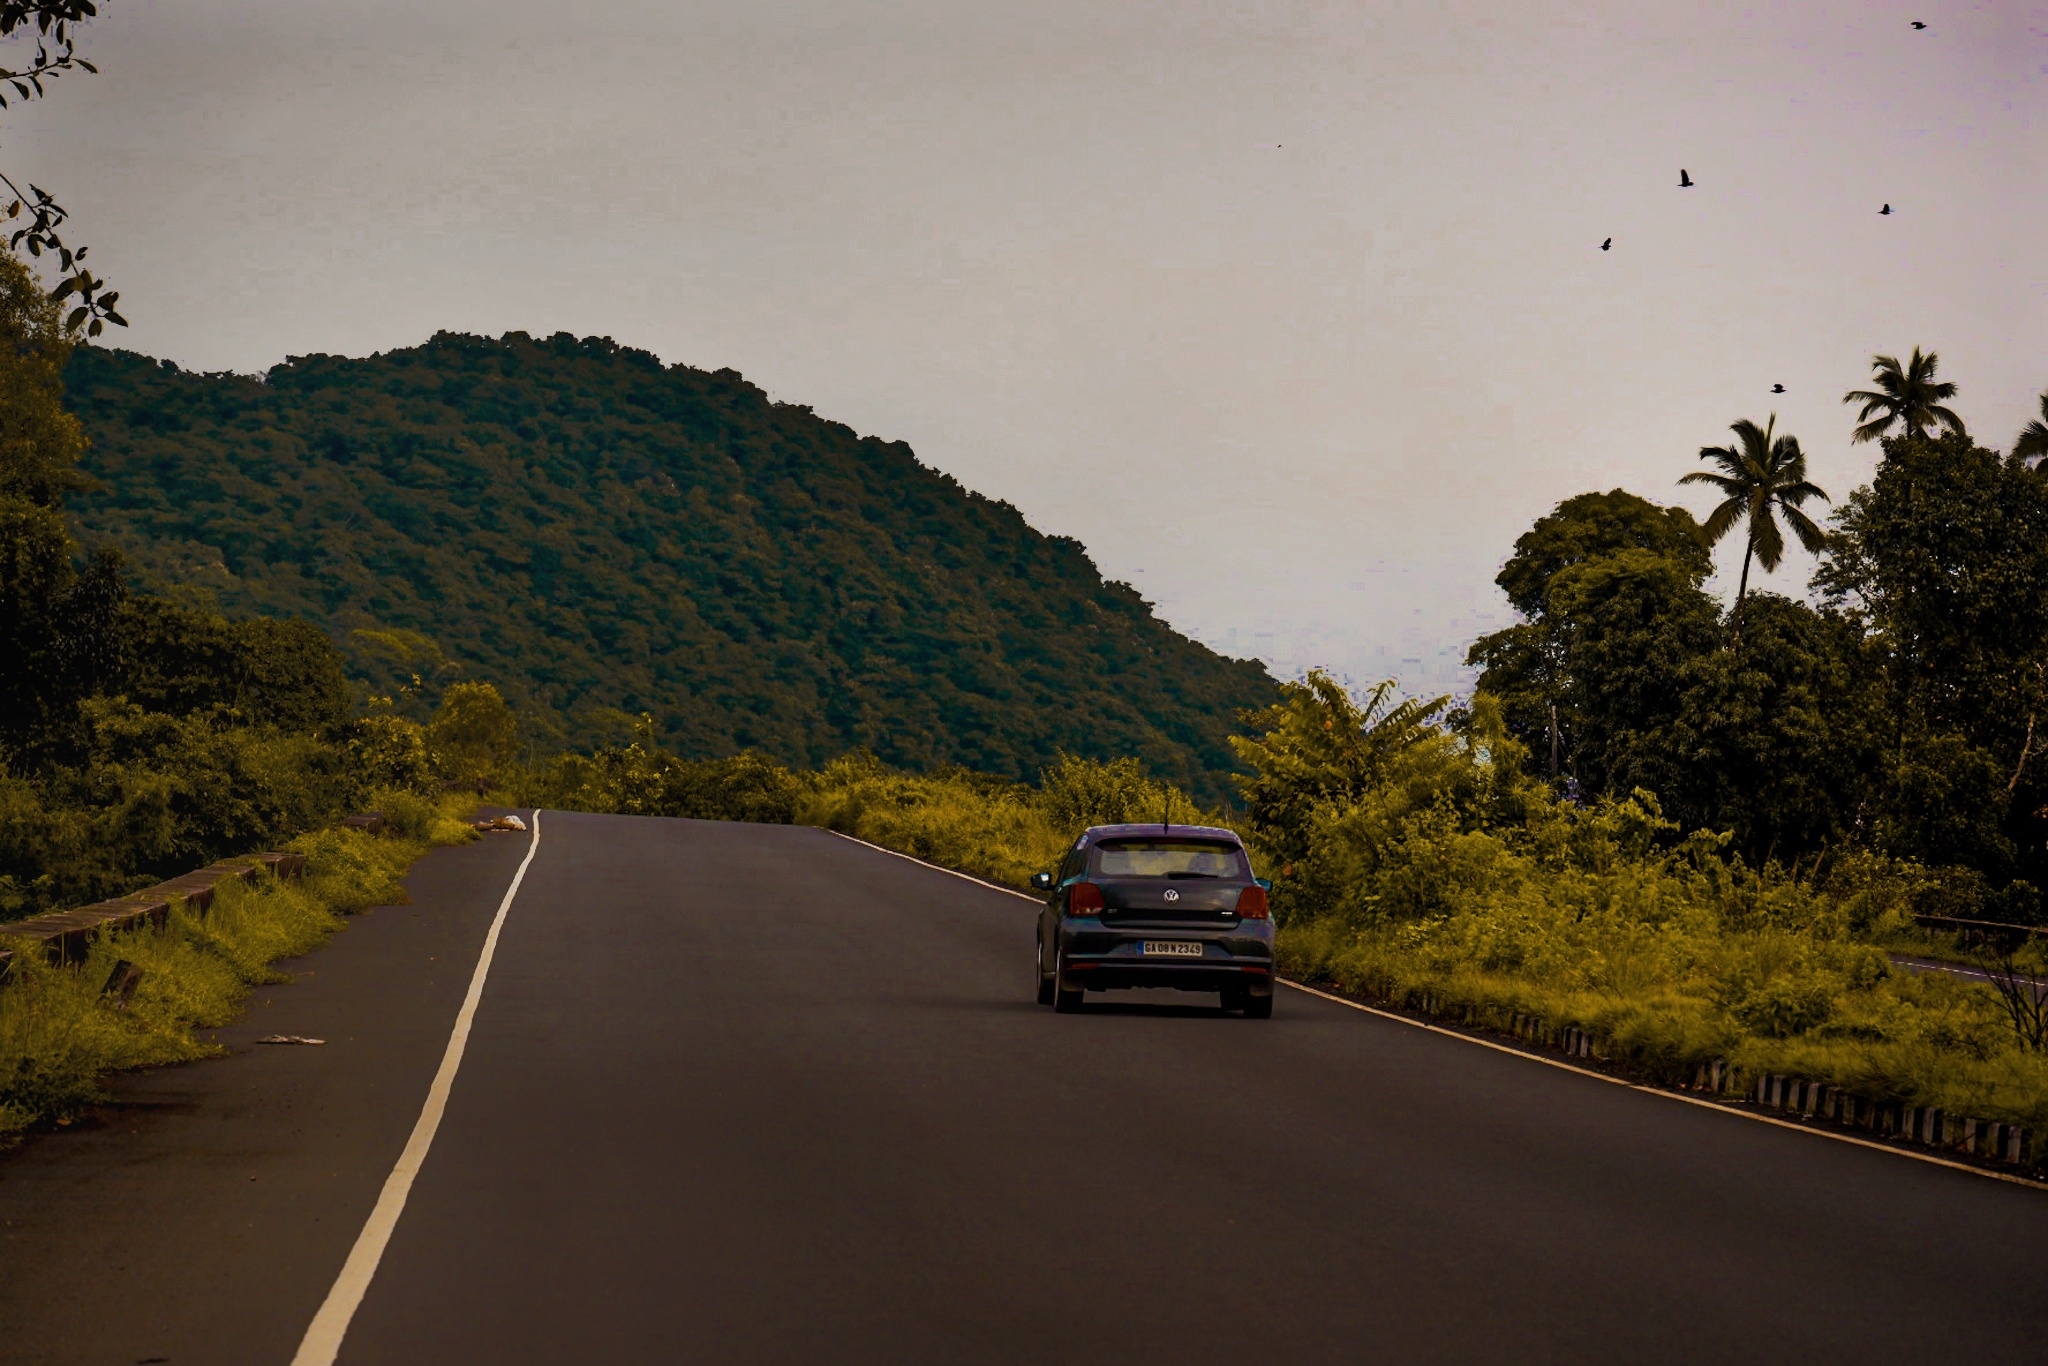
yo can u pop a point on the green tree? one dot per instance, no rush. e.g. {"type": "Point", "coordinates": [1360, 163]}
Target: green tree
{"type": "Point", "coordinates": [1628, 626]}
{"type": "Point", "coordinates": [1780, 743]}
{"type": "Point", "coordinates": [474, 732]}
{"type": "Point", "coordinates": [1907, 397]}
{"type": "Point", "coordinates": [1945, 558]}
{"type": "Point", "coordinates": [56, 622]}
{"type": "Point", "coordinates": [1763, 477]}
{"type": "Point", "coordinates": [1589, 525]}
{"type": "Point", "coordinates": [1525, 666]}
{"type": "Point", "coordinates": [1318, 748]}
{"type": "Point", "coordinates": [2033, 442]}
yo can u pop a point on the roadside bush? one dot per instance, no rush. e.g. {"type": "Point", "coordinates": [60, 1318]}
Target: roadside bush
{"type": "Point", "coordinates": [636, 781]}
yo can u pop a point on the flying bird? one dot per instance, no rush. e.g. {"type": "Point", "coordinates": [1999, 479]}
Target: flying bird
{"type": "Point", "coordinates": [1918, 24]}
{"type": "Point", "coordinates": [1777, 388]}
{"type": "Point", "coordinates": [1885, 210]}
{"type": "Point", "coordinates": [1684, 180]}
{"type": "Point", "coordinates": [1608, 243]}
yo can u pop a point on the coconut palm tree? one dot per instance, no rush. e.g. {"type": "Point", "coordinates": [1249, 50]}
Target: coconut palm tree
{"type": "Point", "coordinates": [1763, 475]}
{"type": "Point", "coordinates": [1906, 396]}
{"type": "Point", "coordinates": [2033, 442]}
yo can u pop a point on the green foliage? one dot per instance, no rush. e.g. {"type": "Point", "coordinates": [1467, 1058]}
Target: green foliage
{"type": "Point", "coordinates": [385, 751]}
{"type": "Point", "coordinates": [1450, 874]}
{"type": "Point", "coordinates": [1591, 526]}
{"type": "Point", "coordinates": [264, 672]}
{"type": "Point", "coordinates": [1322, 749]}
{"type": "Point", "coordinates": [983, 824]}
{"type": "Point", "coordinates": [1762, 477]}
{"type": "Point", "coordinates": [54, 24]}
{"type": "Point", "coordinates": [1777, 742]}
{"type": "Point", "coordinates": [153, 795]}
{"type": "Point", "coordinates": [991, 828]}
{"type": "Point", "coordinates": [1076, 793]}
{"type": "Point", "coordinates": [2032, 444]}
{"type": "Point", "coordinates": [473, 732]}
{"type": "Point", "coordinates": [40, 443]}
{"type": "Point", "coordinates": [59, 1035]}
{"type": "Point", "coordinates": [599, 533]}
{"type": "Point", "coordinates": [1596, 671]}
{"type": "Point", "coordinates": [636, 781]}
{"type": "Point", "coordinates": [1907, 401]}
{"type": "Point", "coordinates": [1944, 558]}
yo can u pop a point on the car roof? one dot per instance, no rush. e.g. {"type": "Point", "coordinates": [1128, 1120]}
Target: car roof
{"type": "Point", "coordinates": [1096, 833]}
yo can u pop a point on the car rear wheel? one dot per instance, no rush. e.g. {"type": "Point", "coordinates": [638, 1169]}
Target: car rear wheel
{"type": "Point", "coordinates": [1066, 992]}
{"type": "Point", "coordinates": [1045, 983]}
{"type": "Point", "coordinates": [1254, 1007]}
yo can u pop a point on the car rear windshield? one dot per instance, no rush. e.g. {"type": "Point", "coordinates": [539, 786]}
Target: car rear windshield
{"type": "Point", "coordinates": [1170, 858]}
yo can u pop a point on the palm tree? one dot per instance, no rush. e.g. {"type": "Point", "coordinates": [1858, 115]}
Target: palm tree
{"type": "Point", "coordinates": [1905, 395]}
{"type": "Point", "coordinates": [1762, 475]}
{"type": "Point", "coordinates": [2033, 442]}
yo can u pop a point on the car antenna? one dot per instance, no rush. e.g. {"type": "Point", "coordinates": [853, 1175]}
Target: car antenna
{"type": "Point", "coordinates": [1166, 812]}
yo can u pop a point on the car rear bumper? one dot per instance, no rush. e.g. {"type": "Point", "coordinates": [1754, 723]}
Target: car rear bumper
{"type": "Point", "coordinates": [1104, 972]}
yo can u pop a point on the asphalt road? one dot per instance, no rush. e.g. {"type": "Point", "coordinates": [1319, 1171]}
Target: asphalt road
{"type": "Point", "coordinates": [751, 1094]}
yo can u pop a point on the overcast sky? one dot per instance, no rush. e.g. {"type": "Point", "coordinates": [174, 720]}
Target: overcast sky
{"type": "Point", "coordinates": [1294, 313]}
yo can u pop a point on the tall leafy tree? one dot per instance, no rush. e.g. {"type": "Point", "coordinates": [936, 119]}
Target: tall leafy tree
{"type": "Point", "coordinates": [1945, 558]}
{"type": "Point", "coordinates": [1763, 476]}
{"type": "Point", "coordinates": [2033, 442]}
{"type": "Point", "coordinates": [1608, 586]}
{"type": "Point", "coordinates": [55, 623]}
{"type": "Point", "coordinates": [1907, 397]}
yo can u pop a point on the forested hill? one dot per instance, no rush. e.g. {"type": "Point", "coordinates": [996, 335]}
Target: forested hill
{"type": "Point", "coordinates": [598, 533]}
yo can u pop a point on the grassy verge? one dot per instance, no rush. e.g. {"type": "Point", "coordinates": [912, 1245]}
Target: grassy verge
{"type": "Point", "coordinates": [1886, 1036]}
{"type": "Point", "coordinates": [1002, 832]}
{"type": "Point", "coordinates": [59, 1036]}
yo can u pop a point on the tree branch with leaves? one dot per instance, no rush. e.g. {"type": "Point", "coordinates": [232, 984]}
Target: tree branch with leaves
{"type": "Point", "coordinates": [52, 26]}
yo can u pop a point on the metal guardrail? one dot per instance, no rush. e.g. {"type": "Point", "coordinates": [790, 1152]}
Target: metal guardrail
{"type": "Point", "coordinates": [1982, 929]}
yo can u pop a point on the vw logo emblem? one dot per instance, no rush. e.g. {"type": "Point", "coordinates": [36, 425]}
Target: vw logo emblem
{"type": "Point", "coordinates": [1172, 895]}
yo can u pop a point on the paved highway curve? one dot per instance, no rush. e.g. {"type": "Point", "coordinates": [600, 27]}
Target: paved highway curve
{"type": "Point", "coordinates": [743, 1094]}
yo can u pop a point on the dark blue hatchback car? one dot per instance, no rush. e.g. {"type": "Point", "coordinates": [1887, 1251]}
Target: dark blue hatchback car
{"type": "Point", "coordinates": [1156, 906]}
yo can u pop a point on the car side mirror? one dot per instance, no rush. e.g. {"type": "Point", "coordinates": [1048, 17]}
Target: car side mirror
{"type": "Point", "coordinates": [1264, 882]}
{"type": "Point", "coordinates": [1041, 882]}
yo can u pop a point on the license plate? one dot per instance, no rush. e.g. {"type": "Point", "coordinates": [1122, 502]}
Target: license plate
{"type": "Point", "coordinates": [1171, 948]}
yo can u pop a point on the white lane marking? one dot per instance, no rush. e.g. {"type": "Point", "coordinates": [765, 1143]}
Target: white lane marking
{"type": "Point", "coordinates": [322, 1342]}
{"type": "Point", "coordinates": [1715, 1106]}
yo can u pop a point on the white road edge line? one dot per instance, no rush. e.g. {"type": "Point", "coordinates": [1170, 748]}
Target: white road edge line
{"type": "Point", "coordinates": [935, 867]}
{"type": "Point", "coordinates": [322, 1343]}
{"type": "Point", "coordinates": [1659, 1091]}
{"type": "Point", "coordinates": [1715, 1106]}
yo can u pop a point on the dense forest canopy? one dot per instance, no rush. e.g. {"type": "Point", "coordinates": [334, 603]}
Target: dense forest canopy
{"type": "Point", "coordinates": [602, 535]}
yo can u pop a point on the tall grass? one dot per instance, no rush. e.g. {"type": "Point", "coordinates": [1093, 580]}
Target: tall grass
{"type": "Point", "coordinates": [60, 1035]}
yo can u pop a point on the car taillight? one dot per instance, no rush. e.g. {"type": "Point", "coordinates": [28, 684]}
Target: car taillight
{"type": "Point", "coordinates": [1251, 904]}
{"type": "Point", "coordinates": [1084, 898]}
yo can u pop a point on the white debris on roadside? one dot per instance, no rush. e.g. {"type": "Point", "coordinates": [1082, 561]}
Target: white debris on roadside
{"type": "Point", "coordinates": [288, 1038]}
{"type": "Point", "coordinates": [499, 823]}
